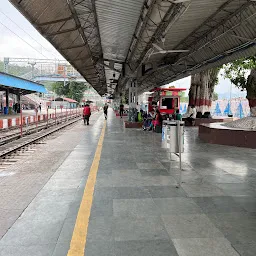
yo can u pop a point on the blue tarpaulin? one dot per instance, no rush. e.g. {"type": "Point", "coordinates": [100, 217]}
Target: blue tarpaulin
{"type": "Point", "coordinates": [217, 111]}
{"type": "Point", "coordinates": [227, 110]}
{"type": "Point", "coordinates": [18, 84]}
{"type": "Point", "coordinates": [239, 111]}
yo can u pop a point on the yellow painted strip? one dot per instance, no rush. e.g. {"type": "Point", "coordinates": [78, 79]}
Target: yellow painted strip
{"type": "Point", "coordinates": [78, 241]}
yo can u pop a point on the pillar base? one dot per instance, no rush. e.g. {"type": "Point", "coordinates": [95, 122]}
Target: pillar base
{"type": "Point", "coordinates": [128, 124]}
{"type": "Point", "coordinates": [132, 114]}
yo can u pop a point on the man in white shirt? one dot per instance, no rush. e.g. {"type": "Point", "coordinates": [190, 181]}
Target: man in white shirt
{"type": "Point", "coordinates": [193, 112]}
{"type": "Point", "coordinates": [191, 115]}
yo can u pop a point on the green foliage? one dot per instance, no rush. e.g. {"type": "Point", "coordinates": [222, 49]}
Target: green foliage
{"type": "Point", "coordinates": [215, 96]}
{"type": "Point", "coordinates": [184, 99]}
{"type": "Point", "coordinates": [214, 78]}
{"type": "Point", "coordinates": [60, 89]}
{"type": "Point", "coordinates": [238, 70]}
{"type": "Point", "coordinates": [48, 85]}
{"type": "Point", "coordinates": [76, 90]}
{"type": "Point", "coordinates": [182, 94]}
{"type": "Point", "coordinates": [73, 90]}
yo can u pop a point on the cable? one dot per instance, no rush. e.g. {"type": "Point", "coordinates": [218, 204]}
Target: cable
{"type": "Point", "coordinates": [26, 32]}
{"type": "Point", "coordinates": [24, 40]}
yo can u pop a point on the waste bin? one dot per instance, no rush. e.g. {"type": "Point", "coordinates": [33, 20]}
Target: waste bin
{"type": "Point", "coordinates": [166, 134]}
{"type": "Point", "coordinates": [174, 145]}
{"type": "Point", "coordinates": [6, 110]}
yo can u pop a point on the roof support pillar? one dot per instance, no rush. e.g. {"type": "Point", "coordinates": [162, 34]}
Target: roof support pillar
{"type": "Point", "coordinates": [133, 99]}
{"type": "Point", "coordinates": [7, 98]}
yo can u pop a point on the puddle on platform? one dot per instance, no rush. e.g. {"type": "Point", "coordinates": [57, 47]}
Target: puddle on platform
{"type": "Point", "coordinates": [6, 173]}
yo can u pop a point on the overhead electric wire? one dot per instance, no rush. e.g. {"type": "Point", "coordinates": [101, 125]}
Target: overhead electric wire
{"type": "Point", "coordinates": [26, 33]}
{"type": "Point", "coordinates": [23, 40]}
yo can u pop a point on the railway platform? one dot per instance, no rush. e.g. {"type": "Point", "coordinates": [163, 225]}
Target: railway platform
{"type": "Point", "coordinates": [103, 190]}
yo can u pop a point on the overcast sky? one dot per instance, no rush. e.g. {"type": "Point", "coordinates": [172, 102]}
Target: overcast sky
{"type": "Point", "coordinates": [31, 44]}
{"type": "Point", "coordinates": [13, 46]}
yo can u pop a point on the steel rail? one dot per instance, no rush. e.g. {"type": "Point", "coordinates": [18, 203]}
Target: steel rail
{"type": "Point", "coordinates": [33, 129]}
{"type": "Point", "coordinates": [30, 139]}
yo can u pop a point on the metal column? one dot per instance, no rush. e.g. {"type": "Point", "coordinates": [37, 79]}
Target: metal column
{"type": "Point", "coordinates": [133, 99]}
{"type": "Point", "coordinates": [7, 98]}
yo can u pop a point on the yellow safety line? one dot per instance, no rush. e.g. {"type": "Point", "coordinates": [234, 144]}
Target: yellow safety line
{"type": "Point", "coordinates": [78, 241]}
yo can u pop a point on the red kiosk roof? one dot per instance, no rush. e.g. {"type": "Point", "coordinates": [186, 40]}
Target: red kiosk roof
{"type": "Point", "coordinates": [168, 89]}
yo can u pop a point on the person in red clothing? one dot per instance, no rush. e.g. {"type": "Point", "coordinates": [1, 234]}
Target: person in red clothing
{"type": "Point", "coordinates": [86, 114]}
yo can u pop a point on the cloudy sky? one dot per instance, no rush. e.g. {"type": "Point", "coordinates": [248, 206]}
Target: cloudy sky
{"type": "Point", "coordinates": [18, 38]}
{"type": "Point", "coordinates": [14, 42]}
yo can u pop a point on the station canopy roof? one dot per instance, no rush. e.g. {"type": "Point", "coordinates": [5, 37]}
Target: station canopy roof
{"type": "Point", "coordinates": [154, 41]}
{"type": "Point", "coordinates": [19, 85]}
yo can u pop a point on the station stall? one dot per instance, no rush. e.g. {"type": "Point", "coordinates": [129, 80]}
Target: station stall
{"type": "Point", "coordinates": [167, 100]}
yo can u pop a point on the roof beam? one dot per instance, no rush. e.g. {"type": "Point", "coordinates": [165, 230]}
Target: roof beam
{"type": "Point", "coordinates": [115, 61]}
{"type": "Point", "coordinates": [173, 13]}
{"type": "Point", "coordinates": [54, 21]}
{"type": "Point", "coordinates": [244, 38]}
{"type": "Point", "coordinates": [140, 27]}
{"type": "Point", "coordinates": [78, 59]}
{"type": "Point", "coordinates": [230, 23]}
{"type": "Point", "coordinates": [153, 30]}
{"type": "Point", "coordinates": [72, 47]}
{"type": "Point", "coordinates": [91, 19]}
{"type": "Point", "coordinates": [111, 68]}
{"type": "Point", "coordinates": [63, 31]}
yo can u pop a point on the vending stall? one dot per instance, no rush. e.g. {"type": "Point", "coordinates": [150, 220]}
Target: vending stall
{"type": "Point", "coordinates": [166, 99]}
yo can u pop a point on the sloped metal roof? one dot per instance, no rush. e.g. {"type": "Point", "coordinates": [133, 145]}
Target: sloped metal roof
{"type": "Point", "coordinates": [117, 21]}
{"type": "Point", "coordinates": [17, 84]}
{"type": "Point", "coordinates": [228, 32]}
{"type": "Point", "coordinates": [71, 27]}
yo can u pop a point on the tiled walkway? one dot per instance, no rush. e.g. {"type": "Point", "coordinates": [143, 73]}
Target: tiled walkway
{"type": "Point", "coordinates": [137, 209]}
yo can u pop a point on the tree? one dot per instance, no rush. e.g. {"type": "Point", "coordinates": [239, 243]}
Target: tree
{"type": "Point", "coordinates": [183, 97]}
{"type": "Point", "coordinates": [215, 96]}
{"type": "Point", "coordinates": [48, 85]}
{"type": "Point", "coordinates": [74, 90]}
{"type": "Point", "coordinates": [60, 89]}
{"type": "Point", "coordinates": [202, 87]}
{"type": "Point", "coordinates": [242, 73]}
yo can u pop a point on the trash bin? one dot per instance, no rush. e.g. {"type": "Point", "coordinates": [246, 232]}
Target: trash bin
{"type": "Point", "coordinates": [174, 146]}
{"type": "Point", "coordinates": [5, 110]}
{"type": "Point", "coordinates": [166, 134]}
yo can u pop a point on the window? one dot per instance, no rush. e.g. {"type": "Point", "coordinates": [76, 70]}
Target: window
{"type": "Point", "coordinates": [167, 102]}
{"type": "Point", "coordinates": [176, 105]}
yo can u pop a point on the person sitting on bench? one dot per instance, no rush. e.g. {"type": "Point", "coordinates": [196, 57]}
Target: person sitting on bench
{"type": "Point", "coordinates": [158, 120]}
{"type": "Point", "coordinates": [192, 117]}
{"type": "Point", "coordinates": [178, 116]}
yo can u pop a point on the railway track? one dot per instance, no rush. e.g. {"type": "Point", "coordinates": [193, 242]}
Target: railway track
{"type": "Point", "coordinates": [14, 134]}
{"type": "Point", "coordinates": [16, 149]}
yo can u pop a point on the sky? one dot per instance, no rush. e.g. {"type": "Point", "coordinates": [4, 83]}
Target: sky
{"type": "Point", "coordinates": [12, 45]}
{"type": "Point", "coordinates": [23, 41]}
{"type": "Point", "coordinates": [223, 87]}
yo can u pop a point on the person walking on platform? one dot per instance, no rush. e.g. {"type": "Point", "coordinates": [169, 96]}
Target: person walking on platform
{"type": "Point", "coordinates": [121, 110]}
{"type": "Point", "coordinates": [40, 107]}
{"type": "Point", "coordinates": [86, 114]}
{"type": "Point", "coordinates": [105, 110]}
